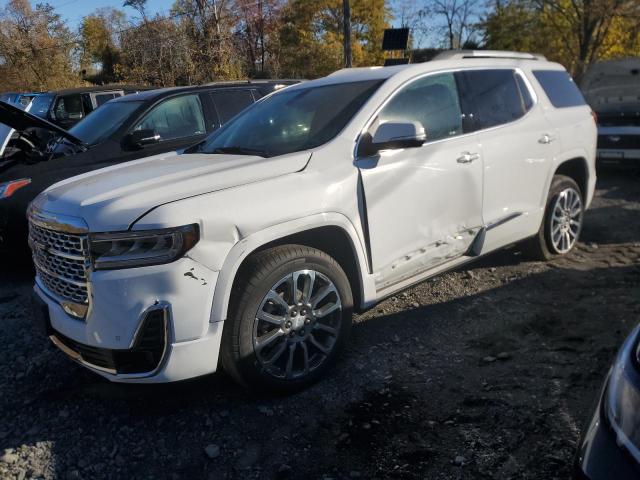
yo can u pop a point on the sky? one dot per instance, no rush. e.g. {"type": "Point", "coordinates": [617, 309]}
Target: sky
{"type": "Point", "coordinates": [73, 10]}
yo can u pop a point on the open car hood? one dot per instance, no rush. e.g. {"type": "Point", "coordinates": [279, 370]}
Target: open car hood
{"type": "Point", "coordinates": [20, 120]}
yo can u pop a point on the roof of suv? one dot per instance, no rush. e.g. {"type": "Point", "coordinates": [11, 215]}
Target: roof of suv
{"type": "Point", "coordinates": [162, 92]}
{"type": "Point", "coordinates": [453, 59]}
{"type": "Point", "coordinates": [95, 88]}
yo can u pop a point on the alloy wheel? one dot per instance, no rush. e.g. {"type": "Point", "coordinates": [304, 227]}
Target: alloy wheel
{"type": "Point", "coordinates": [297, 324]}
{"type": "Point", "coordinates": [566, 220]}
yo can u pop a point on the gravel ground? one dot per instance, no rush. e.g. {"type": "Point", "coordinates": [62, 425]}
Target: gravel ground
{"type": "Point", "coordinates": [481, 373]}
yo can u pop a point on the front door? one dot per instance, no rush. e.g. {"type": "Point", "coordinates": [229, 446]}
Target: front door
{"type": "Point", "coordinates": [179, 121]}
{"type": "Point", "coordinates": [423, 205]}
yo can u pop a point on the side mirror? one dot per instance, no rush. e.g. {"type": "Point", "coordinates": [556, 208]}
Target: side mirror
{"type": "Point", "coordinates": [392, 135]}
{"type": "Point", "coordinates": [142, 138]}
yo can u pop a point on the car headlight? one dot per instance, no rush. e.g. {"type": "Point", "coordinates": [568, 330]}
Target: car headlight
{"type": "Point", "coordinates": [622, 396]}
{"type": "Point", "coordinates": [141, 248]}
{"type": "Point", "coordinates": [9, 188]}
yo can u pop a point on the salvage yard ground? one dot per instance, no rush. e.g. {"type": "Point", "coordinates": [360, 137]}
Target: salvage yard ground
{"type": "Point", "coordinates": [478, 374]}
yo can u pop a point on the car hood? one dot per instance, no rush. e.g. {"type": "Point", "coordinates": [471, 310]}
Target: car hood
{"type": "Point", "coordinates": [20, 120]}
{"type": "Point", "coordinates": [113, 198]}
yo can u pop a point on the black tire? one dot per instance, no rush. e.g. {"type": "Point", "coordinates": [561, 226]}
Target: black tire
{"type": "Point", "coordinates": [540, 246]}
{"type": "Point", "coordinates": [259, 276]}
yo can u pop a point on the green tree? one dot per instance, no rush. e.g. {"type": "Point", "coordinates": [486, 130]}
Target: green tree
{"type": "Point", "coordinates": [311, 35]}
{"type": "Point", "coordinates": [99, 50]}
{"type": "Point", "coordinates": [575, 33]}
{"type": "Point", "coordinates": [36, 48]}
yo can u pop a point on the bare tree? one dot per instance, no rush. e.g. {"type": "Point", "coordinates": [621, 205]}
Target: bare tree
{"type": "Point", "coordinates": [459, 19]}
{"type": "Point", "coordinates": [415, 17]}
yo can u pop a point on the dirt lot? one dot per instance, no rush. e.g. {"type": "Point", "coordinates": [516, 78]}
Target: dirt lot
{"type": "Point", "coordinates": [483, 373]}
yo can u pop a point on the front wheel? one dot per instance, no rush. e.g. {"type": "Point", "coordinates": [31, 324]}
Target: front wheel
{"type": "Point", "coordinates": [562, 222]}
{"type": "Point", "coordinates": [289, 318]}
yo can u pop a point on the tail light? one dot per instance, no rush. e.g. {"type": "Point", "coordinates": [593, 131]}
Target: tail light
{"type": "Point", "coordinates": [595, 116]}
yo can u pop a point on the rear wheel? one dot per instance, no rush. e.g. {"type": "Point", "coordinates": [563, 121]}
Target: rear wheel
{"type": "Point", "coordinates": [562, 223]}
{"type": "Point", "coordinates": [288, 320]}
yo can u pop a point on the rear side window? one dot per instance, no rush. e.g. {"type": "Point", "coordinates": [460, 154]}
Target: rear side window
{"type": "Point", "coordinates": [69, 108]}
{"type": "Point", "coordinates": [102, 98]}
{"type": "Point", "coordinates": [231, 102]}
{"type": "Point", "coordinates": [560, 88]}
{"type": "Point", "coordinates": [493, 97]}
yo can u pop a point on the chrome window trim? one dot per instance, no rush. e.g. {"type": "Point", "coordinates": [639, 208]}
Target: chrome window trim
{"type": "Point", "coordinates": [377, 111]}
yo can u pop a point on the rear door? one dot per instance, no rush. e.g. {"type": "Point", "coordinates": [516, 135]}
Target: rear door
{"type": "Point", "coordinates": [424, 205]}
{"type": "Point", "coordinates": [518, 146]}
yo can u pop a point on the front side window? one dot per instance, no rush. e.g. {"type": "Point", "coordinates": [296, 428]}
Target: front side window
{"type": "Point", "coordinates": [291, 120]}
{"type": "Point", "coordinates": [41, 105]}
{"type": "Point", "coordinates": [69, 108]}
{"type": "Point", "coordinates": [103, 122]}
{"type": "Point", "coordinates": [560, 88]}
{"type": "Point", "coordinates": [494, 97]}
{"type": "Point", "coordinates": [432, 101]}
{"type": "Point", "coordinates": [176, 117]}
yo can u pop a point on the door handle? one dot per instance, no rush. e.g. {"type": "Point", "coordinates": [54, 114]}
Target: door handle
{"type": "Point", "coordinates": [467, 157]}
{"type": "Point", "coordinates": [546, 139]}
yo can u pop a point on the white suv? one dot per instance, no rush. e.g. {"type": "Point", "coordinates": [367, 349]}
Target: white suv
{"type": "Point", "coordinates": [254, 247]}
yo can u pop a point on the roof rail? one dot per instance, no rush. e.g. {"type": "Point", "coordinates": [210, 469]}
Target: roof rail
{"type": "Point", "coordinates": [461, 54]}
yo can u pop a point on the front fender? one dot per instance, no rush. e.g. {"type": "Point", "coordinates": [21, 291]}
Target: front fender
{"type": "Point", "coordinates": [244, 247]}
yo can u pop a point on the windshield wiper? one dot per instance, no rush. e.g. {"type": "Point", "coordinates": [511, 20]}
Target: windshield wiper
{"type": "Point", "coordinates": [238, 150]}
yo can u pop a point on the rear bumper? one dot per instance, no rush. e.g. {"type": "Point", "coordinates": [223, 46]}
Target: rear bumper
{"type": "Point", "coordinates": [609, 155]}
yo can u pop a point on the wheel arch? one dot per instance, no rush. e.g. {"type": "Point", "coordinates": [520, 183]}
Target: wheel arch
{"type": "Point", "coordinates": [332, 233]}
{"type": "Point", "coordinates": [576, 168]}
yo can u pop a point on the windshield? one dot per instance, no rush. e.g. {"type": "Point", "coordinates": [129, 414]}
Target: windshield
{"type": "Point", "coordinates": [102, 122]}
{"type": "Point", "coordinates": [291, 120]}
{"type": "Point", "coordinates": [40, 105]}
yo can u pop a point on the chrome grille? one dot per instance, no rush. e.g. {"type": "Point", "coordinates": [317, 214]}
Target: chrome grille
{"type": "Point", "coordinates": [60, 259]}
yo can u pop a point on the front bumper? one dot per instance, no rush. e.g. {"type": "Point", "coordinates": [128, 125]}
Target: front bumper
{"type": "Point", "coordinates": [599, 456]}
{"type": "Point", "coordinates": [108, 340]}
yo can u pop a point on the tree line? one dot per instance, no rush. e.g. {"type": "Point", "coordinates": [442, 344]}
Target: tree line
{"type": "Point", "coordinates": [200, 41]}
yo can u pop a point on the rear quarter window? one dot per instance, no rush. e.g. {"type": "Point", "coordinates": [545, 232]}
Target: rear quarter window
{"type": "Point", "coordinates": [560, 88]}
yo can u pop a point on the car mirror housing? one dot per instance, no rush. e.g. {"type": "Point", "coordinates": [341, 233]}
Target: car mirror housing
{"type": "Point", "coordinates": [142, 138]}
{"type": "Point", "coordinates": [395, 135]}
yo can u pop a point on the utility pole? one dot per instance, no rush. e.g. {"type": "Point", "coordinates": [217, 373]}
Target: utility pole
{"type": "Point", "coordinates": [346, 10]}
{"type": "Point", "coordinates": [261, 35]}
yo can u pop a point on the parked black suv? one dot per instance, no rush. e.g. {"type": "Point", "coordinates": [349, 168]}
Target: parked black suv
{"type": "Point", "coordinates": [124, 129]}
{"type": "Point", "coordinates": [67, 107]}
